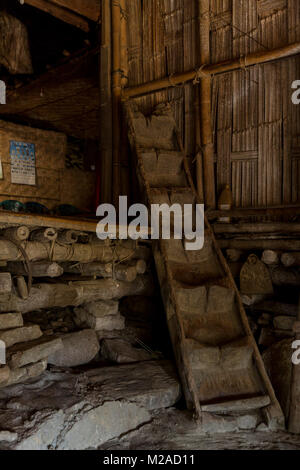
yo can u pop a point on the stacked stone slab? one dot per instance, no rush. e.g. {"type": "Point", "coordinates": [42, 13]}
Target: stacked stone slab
{"type": "Point", "coordinates": [26, 350]}
{"type": "Point", "coordinates": [100, 316]}
{"type": "Point", "coordinates": [105, 319]}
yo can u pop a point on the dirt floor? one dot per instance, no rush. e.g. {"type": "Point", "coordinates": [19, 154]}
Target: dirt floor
{"type": "Point", "coordinates": [175, 430]}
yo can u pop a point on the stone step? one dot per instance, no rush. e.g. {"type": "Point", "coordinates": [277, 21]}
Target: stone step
{"type": "Point", "coordinates": [27, 353]}
{"type": "Point", "coordinates": [10, 320]}
{"type": "Point", "coordinates": [83, 411]}
{"type": "Point", "coordinates": [20, 335]}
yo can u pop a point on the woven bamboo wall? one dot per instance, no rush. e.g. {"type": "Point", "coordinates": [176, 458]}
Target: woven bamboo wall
{"type": "Point", "coordinates": [257, 128]}
{"type": "Point", "coordinates": [162, 41]}
{"type": "Point", "coordinates": [54, 183]}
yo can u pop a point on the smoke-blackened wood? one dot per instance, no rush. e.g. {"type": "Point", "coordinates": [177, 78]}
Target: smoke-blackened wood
{"type": "Point", "coordinates": [14, 45]}
{"type": "Point", "coordinates": [43, 296]}
{"type": "Point", "coordinates": [37, 251]}
{"type": "Point", "coordinates": [39, 269]}
{"type": "Point", "coordinates": [44, 235]}
{"type": "Point", "coordinates": [263, 244]}
{"type": "Point", "coordinates": [233, 255]}
{"type": "Point", "coordinates": [68, 236]}
{"type": "Point", "coordinates": [271, 257]}
{"type": "Point", "coordinates": [122, 272]}
{"type": "Point", "coordinates": [282, 276]}
{"type": "Point", "coordinates": [17, 233]}
{"type": "Point", "coordinates": [276, 308]}
{"type": "Point", "coordinates": [291, 259]}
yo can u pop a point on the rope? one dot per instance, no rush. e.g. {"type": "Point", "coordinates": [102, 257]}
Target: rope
{"type": "Point", "coordinates": [200, 73]}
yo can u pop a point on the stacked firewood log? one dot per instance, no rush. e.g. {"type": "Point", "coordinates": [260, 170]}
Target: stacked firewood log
{"type": "Point", "coordinates": [269, 282]}
{"type": "Point", "coordinates": [60, 297]}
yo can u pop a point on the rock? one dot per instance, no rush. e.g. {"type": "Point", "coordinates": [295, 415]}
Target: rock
{"type": "Point", "coordinates": [7, 436]}
{"type": "Point", "coordinates": [248, 421]}
{"type": "Point", "coordinates": [78, 348]}
{"type": "Point", "coordinates": [103, 423]}
{"type": "Point", "coordinates": [20, 335]}
{"type": "Point", "coordinates": [212, 424]}
{"type": "Point", "coordinates": [100, 316]}
{"type": "Point", "coordinates": [104, 308]}
{"type": "Point", "coordinates": [5, 283]}
{"type": "Point", "coordinates": [43, 432]}
{"type": "Point", "coordinates": [26, 373]}
{"type": "Point", "coordinates": [10, 320]}
{"type": "Point", "coordinates": [122, 352]}
{"type": "Point", "coordinates": [284, 322]}
{"type": "Point", "coordinates": [83, 411]}
{"type": "Point", "coordinates": [33, 351]}
{"type": "Point", "coordinates": [262, 427]}
{"type": "Point", "coordinates": [116, 322]}
{"type": "Point", "coordinates": [4, 374]}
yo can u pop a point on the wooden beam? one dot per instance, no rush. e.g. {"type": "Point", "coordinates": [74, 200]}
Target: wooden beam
{"type": "Point", "coordinates": [104, 182]}
{"type": "Point", "coordinates": [61, 13]}
{"type": "Point", "coordinates": [282, 211]}
{"type": "Point", "coordinates": [214, 69]}
{"type": "Point", "coordinates": [88, 8]}
{"type": "Point", "coordinates": [271, 227]}
{"type": "Point", "coordinates": [116, 97]}
{"type": "Point", "coordinates": [207, 140]}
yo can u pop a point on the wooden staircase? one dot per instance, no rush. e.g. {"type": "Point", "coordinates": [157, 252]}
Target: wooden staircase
{"type": "Point", "coordinates": [217, 357]}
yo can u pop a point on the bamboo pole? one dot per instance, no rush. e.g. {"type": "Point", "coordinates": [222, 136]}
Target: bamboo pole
{"type": "Point", "coordinates": [213, 69]}
{"type": "Point", "coordinates": [105, 176]}
{"type": "Point", "coordinates": [116, 96]}
{"type": "Point", "coordinates": [124, 155]}
{"type": "Point", "coordinates": [205, 109]}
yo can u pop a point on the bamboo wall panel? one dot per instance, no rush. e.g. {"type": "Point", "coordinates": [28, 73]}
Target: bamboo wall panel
{"type": "Point", "coordinates": [54, 184]}
{"type": "Point", "coordinates": [256, 127]}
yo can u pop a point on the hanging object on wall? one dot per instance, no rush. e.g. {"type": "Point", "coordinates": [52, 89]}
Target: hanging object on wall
{"type": "Point", "coordinates": [22, 156]}
{"type": "Point", "coordinates": [14, 45]}
{"type": "Point", "coordinates": [255, 277]}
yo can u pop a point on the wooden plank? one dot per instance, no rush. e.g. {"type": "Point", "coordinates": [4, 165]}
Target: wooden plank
{"type": "Point", "coordinates": [61, 13]}
{"type": "Point", "coordinates": [89, 9]}
{"type": "Point", "coordinates": [275, 227]}
{"type": "Point", "coordinates": [285, 211]}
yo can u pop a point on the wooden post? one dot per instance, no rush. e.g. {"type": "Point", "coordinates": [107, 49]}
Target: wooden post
{"type": "Point", "coordinates": [116, 96]}
{"type": "Point", "coordinates": [294, 415]}
{"type": "Point", "coordinates": [205, 109]}
{"type": "Point", "coordinates": [124, 154]}
{"type": "Point", "coordinates": [105, 177]}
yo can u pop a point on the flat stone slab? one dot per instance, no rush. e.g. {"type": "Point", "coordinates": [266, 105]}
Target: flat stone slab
{"type": "Point", "coordinates": [122, 352]}
{"type": "Point", "coordinates": [10, 320]}
{"type": "Point", "coordinates": [31, 352]}
{"type": "Point", "coordinates": [108, 318]}
{"type": "Point", "coordinates": [83, 411]}
{"type": "Point", "coordinates": [20, 335]}
{"type": "Point", "coordinates": [25, 373]}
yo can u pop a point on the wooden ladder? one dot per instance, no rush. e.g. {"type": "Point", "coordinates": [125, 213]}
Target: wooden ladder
{"type": "Point", "coordinates": [217, 357]}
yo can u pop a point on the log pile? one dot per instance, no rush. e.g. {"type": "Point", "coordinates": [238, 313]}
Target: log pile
{"type": "Point", "coordinates": [60, 297]}
{"type": "Point", "coordinates": [269, 282]}
{"type": "Point", "coordinates": [265, 262]}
